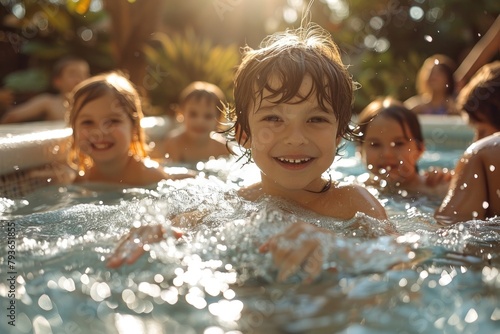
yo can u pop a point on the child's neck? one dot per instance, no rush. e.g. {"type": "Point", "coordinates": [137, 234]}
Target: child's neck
{"type": "Point", "coordinates": [114, 171]}
{"type": "Point", "coordinates": [304, 196]}
{"type": "Point", "coordinates": [438, 98]}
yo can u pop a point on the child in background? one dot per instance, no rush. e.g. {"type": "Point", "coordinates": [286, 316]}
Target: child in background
{"type": "Point", "coordinates": [66, 74]}
{"type": "Point", "coordinates": [435, 87]}
{"type": "Point", "coordinates": [293, 99]}
{"type": "Point", "coordinates": [475, 188]}
{"type": "Point", "coordinates": [108, 141]}
{"type": "Point", "coordinates": [390, 144]}
{"type": "Point", "coordinates": [200, 106]}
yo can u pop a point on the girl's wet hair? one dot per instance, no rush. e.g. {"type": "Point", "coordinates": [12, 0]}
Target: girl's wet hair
{"type": "Point", "coordinates": [287, 58]}
{"type": "Point", "coordinates": [443, 63]}
{"type": "Point", "coordinates": [394, 109]}
{"type": "Point", "coordinates": [128, 99]}
{"type": "Point", "coordinates": [480, 98]}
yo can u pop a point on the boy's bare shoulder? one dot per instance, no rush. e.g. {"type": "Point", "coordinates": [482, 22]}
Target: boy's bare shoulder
{"type": "Point", "coordinates": [354, 198]}
{"type": "Point", "coordinates": [486, 144]}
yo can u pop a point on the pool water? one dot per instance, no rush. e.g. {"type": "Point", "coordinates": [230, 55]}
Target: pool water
{"type": "Point", "coordinates": [428, 280]}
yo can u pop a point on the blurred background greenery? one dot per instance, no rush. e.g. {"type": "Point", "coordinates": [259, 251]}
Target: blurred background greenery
{"type": "Point", "coordinates": [165, 44]}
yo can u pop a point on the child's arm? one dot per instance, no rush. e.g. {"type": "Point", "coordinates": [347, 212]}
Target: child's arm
{"type": "Point", "coordinates": [131, 245]}
{"type": "Point", "coordinates": [32, 109]}
{"type": "Point", "coordinates": [435, 176]}
{"type": "Point", "coordinates": [467, 193]}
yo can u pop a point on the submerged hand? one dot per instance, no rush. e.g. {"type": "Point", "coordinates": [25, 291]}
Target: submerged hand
{"type": "Point", "coordinates": [298, 247]}
{"type": "Point", "coordinates": [131, 245]}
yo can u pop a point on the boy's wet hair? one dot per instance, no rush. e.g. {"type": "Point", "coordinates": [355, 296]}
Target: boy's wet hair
{"type": "Point", "coordinates": [127, 98]}
{"type": "Point", "coordinates": [290, 56]}
{"type": "Point", "coordinates": [480, 98]}
{"type": "Point", "coordinates": [61, 64]}
{"type": "Point", "coordinates": [202, 90]}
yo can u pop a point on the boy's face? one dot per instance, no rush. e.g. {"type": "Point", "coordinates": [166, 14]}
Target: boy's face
{"type": "Point", "coordinates": [103, 130]}
{"type": "Point", "coordinates": [71, 75]}
{"type": "Point", "coordinates": [293, 143]}
{"type": "Point", "coordinates": [200, 117]}
{"type": "Point", "coordinates": [387, 152]}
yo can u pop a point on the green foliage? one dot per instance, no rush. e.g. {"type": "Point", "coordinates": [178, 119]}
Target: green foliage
{"type": "Point", "coordinates": [449, 27]}
{"type": "Point", "coordinates": [381, 74]}
{"type": "Point", "coordinates": [49, 30]}
{"type": "Point", "coordinates": [28, 81]}
{"type": "Point", "coordinates": [177, 60]}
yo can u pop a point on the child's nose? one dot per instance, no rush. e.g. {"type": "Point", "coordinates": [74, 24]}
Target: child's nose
{"type": "Point", "coordinates": [387, 151]}
{"type": "Point", "coordinates": [295, 135]}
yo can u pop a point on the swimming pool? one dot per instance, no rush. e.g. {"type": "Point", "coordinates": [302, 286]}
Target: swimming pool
{"type": "Point", "coordinates": [429, 280]}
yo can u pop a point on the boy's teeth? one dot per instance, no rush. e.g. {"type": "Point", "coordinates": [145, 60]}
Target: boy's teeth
{"type": "Point", "coordinates": [294, 161]}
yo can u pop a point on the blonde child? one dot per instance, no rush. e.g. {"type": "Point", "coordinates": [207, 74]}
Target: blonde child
{"type": "Point", "coordinates": [108, 141]}
{"type": "Point", "coordinates": [475, 188]}
{"type": "Point", "coordinates": [293, 100]}
{"type": "Point", "coordinates": [200, 107]}
{"type": "Point", "coordinates": [67, 73]}
{"type": "Point", "coordinates": [390, 145]}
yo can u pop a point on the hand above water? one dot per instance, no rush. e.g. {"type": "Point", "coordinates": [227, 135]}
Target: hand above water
{"type": "Point", "coordinates": [131, 245]}
{"type": "Point", "coordinates": [298, 247]}
{"type": "Point", "coordinates": [436, 175]}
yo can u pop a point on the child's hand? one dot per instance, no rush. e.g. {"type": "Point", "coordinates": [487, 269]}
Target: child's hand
{"type": "Point", "coordinates": [131, 245]}
{"type": "Point", "coordinates": [290, 254]}
{"type": "Point", "coordinates": [436, 175]}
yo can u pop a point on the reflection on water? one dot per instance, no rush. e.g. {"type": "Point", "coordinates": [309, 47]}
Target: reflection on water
{"type": "Point", "coordinates": [428, 280]}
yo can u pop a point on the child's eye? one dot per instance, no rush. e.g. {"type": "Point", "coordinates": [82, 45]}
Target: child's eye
{"type": "Point", "coordinates": [111, 122]}
{"type": "Point", "coordinates": [86, 122]}
{"type": "Point", "coordinates": [398, 143]}
{"type": "Point", "coordinates": [272, 118]}
{"type": "Point", "coordinates": [318, 120]}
